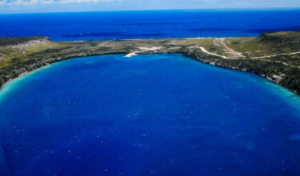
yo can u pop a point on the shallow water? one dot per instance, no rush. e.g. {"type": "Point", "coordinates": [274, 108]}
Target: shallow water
{"type": "Point", "coordinates": [147, 115]}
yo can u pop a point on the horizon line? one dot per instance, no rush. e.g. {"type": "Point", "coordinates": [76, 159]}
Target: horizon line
{"type": "Point", "coordinates": [207, 9]}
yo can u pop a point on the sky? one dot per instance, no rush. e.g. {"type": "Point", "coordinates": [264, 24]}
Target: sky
{"type": "Point", "coordinates": [38, 6]}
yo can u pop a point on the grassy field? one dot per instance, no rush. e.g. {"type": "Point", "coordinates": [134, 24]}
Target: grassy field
{"type": "Point", "coordinates": [267, 44]}
{"type": "Point", "coordinates": [249, 47]}
{"type": "Point", "coordinates": [19, 51]}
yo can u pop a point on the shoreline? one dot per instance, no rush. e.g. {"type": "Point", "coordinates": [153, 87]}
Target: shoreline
{"type": "Point", "coordinates": [202, 60]}
{"type": "Point", "coordinates": [31, 53]}
{"type": "Point", "coordinates": [286, 94]}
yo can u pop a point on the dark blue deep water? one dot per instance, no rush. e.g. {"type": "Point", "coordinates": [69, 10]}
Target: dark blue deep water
{"type": "Point", "coordinates": [147, 115]}
{"type": "Point", "coordinates": [148, 24]}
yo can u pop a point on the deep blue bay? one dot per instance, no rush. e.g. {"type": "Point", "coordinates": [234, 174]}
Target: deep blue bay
{"type": "Point", "coordinates": [158, 114]}
{"type": "Point", "coordinates": [148, 24]}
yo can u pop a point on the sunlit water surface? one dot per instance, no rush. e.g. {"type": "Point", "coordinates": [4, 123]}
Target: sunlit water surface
{"type": "Point", "coordinates": [147, 115]}
{"type": "Point", "coordinates": [149, 24]}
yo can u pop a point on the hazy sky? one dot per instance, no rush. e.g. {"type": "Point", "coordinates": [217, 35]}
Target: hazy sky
{"type": "Point", "coordinates": [27, 6]}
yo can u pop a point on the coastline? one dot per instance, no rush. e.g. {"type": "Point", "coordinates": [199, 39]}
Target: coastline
{"type": "Point", "coordinates": [186, 54]}
{"type": "Point", "coordinates": [5, 87]}
{"type": "Point", "coordinates": [280, 68]}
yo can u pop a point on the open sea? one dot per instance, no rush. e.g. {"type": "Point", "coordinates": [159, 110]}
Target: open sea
{"type": "Point", "coordinates": [159, 114]}
{"type": "Point", "coordinates": [148, 24]}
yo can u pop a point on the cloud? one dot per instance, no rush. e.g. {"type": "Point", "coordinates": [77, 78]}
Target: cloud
{"type": "Point", "coordinates": [190, 2]}
{"type": "Point", "coordinates": [33, 2]}
{"type": "Point", "coordinates": [43, 6]}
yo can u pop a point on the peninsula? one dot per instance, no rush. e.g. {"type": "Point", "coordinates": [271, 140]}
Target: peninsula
{"type": "Point", "coordinates": [275, 56]}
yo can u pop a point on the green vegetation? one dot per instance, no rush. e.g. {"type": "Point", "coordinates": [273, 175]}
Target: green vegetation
{"type": "Point", "coordinates": [19, 52]}
{"type": "Point", "coordinates": [267, 44]}
{"type": "Point", "coordinates": [285, 34]}
{"type": "Point", "coordinates": [4, 41]}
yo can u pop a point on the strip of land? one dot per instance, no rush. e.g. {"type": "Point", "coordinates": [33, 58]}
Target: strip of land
{"type": "Point", "coordinates": [275, 56]}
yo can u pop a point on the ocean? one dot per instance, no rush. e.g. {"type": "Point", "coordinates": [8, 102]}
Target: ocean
{"type": "Point", "coordinates": [148, 24]}
{"type": "Point", "coordinates": [161, 114]}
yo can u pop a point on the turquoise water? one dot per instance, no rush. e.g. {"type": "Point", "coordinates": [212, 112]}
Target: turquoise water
{"type": "Point", "coordinates": [147, 115]}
